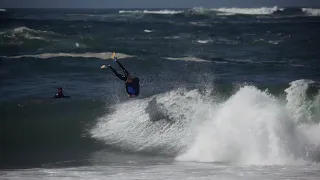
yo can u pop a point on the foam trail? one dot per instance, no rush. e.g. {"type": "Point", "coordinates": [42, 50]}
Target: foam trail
{"type": "Point", "coordinates": [199, 24]}
{"type": "Point", "coordinates": [194, 59]}
{"type": "Point", "coordinates": [250, 11]}
{"type": "Point", "coordinates": [104, 55]}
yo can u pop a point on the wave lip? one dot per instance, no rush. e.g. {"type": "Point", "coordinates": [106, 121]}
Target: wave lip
{"type": "Point", "coordinates": [249, 11]}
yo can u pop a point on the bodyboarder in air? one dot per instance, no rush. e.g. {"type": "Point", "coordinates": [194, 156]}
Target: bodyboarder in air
{"type": "Point", "coordinates": [132, 84]}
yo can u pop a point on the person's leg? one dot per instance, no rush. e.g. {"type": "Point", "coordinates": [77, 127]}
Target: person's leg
{"type": "Point", "coordinates": [120, 76]}
{"type": "Point", "coordinates": [126, 73]}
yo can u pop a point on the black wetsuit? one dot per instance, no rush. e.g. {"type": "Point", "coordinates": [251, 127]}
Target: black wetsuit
{"type": "Point", "coordinates": [133, 87]}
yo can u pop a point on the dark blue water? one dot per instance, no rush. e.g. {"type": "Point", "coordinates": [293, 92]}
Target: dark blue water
{"type": "Point", "coordinates": [44, 49]}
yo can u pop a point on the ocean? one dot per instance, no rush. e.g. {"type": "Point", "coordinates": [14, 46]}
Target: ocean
{"type": "Point", "coordinates": [226, 93]}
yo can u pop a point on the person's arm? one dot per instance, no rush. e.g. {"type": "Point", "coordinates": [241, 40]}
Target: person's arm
{"type": "Point", "coordinates": [120, 76]}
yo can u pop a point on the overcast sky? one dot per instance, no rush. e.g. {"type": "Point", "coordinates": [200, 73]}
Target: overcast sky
{"type": "Point", "coordinates": [153, 3]}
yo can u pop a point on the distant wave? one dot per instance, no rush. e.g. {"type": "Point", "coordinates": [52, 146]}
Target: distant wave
{"type": "Point", "coordinates": [234, 11]}
{"type": "Point", "coordinates": [206, 11]}
{"type": "Point", "coordinates": [27, 33]}
{"type": "Point", "coordinates": [250, 11]}
{"type": "Point", "coordinates": [204, 41]}
{"type": "Point", "coordinates": [230, 11]}
{"type": "Point", "coordinates": [104, 55]}
{"type": "Point", "coordinates": [3, 10]}
{"type": "Point", "coordinates": [129, 12]}
{"type": "Point", "coordinates": [148, 31]}
{"type": "Point", "coordinates": [311, 11]}
{"type": "Point", "coordinates": [23, 29]}
{"type": "Point", "coordinates": [165, 11]}
{"type": "Point", "coordinates": [162, 12]}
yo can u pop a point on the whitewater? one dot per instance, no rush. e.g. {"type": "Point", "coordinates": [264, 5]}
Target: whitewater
{"type": "Point", "coordinates": [250, 127]}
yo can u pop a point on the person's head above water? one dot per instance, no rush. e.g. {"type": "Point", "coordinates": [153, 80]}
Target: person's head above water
{"type": "Point", "coordinates": [59, 90]}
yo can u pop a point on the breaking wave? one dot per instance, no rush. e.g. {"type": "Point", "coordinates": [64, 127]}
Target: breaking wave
{"type": "Point", "coordinates": [250, 127]}
{"type": "Point", "coordinates": [311, 11]}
